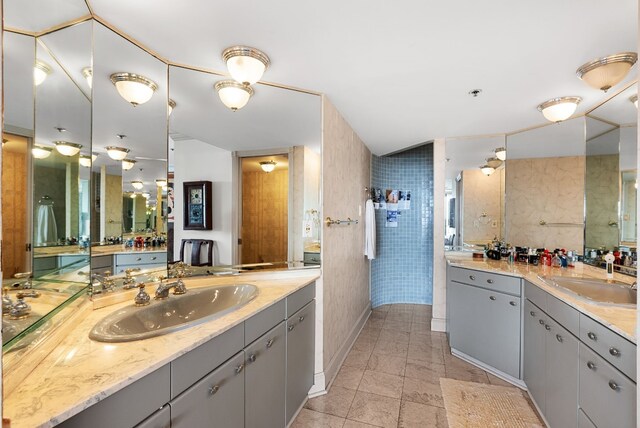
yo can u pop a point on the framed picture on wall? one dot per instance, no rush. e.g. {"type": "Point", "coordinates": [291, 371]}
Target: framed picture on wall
{"type": "Point", "coordinates": [197, 205]}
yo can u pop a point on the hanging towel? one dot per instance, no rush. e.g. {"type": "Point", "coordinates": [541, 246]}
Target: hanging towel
{"type": "Point", "coordinates": [46, 229]}
{"type": "Point", "coordinates": [369, 230]}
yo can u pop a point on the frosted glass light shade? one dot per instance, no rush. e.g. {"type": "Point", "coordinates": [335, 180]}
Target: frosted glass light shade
{"type": "Point", "coordinates": [487, 170]}
{"type": "Point", "coordinates": [134, 88]}
{"type": "Point", "coordinates": [268, 166]}
{"type": "Point", "coordinates": [40, 152]}
{"type": "Point", "coordinates": [40, 72]}
{"type": "Point", "coordinates": [161, 182]}
{"type": "Point", "coordinates": [501, 153]}
{"type": "Point", "coordinates": [494, 162]}
{"type": "Point", "coordinates": [634, 100]}
{"type": "Point", "coordinates": [234, 95]}
{"type": "Point", "coordinates": [137, 185]}
{"type": "Point", "coordinates": [603, 73]}
{"type": "Point", "coordinates": [245, 64]}
{"type": "Point", "coordinates": [87, 73]}
{"type": "Point", "coordinates": [559, 109]}
{"type": "Point", "coordinates": [85, 161]}
{"type": "Point", "coordinates": [127, 164]}
{"type": "Point", "coordinates": [117, 153]}
{"type": "Point", "coordinates": [66, 148]}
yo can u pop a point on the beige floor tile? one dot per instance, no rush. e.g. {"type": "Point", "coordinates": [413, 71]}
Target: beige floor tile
{"type": "Point", "coordinates": [405, 317]}
{"type": "Point", "coordinates": [429, 338]}
{"type": "Point", "coordinates": [469, 373]}
{"type": "Point", "coordinates": [382, 308]}
{"type": "Point", "coordinates": [377, 315]}
{"type": "Point", "coordinates": [423, 309]}
{"type": "Point", "coordinates": [357, 359]}
{"type": "Point", "coordinates": [348, 377]}
{"type": "Point", "coordinates": [423, 392]}
{"type": "Point", "coordinates": [414, 415]}
{"type": "Point", "coordinates": [420, 327]}
{"type": "Point", "coordinates": [425, 371]}
{"type": "Point", "coordinates": [390, 324]}
{"type": "Point", "coordinates": [382, 384]}
{"type": "Point", "coordinates": [394, 336]}
{"type": "Point", "coordinates": [495, 380]}
{"type": "Point", "coordinates": [387, 364]}
{"type": "Point", "coordinates": [387, 347]}
{"type": "Point", "coordinates": [365, 343]}
{"type": "Point", "coordinates": [425, 353]}
{"type": "Point", "coordinates": [353, 424]}
{"type": "Point", "coordinates": [336, 402]}
{"type": "Point", "coordinates": [375, 323]}
{"type": "Point", "coordinates": [375, 410]}
{"type": "Point", "coordinates": [401, 307]}
{"type": "Point", "coordinates": [310, 419]}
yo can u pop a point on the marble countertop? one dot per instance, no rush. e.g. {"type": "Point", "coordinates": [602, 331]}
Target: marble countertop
{"type": "Point", "coordinates": [620, 319]}
{"type": "Point", "coordinates": [120, 249]}
{"type": "Point", "coordinates": [80, 372]}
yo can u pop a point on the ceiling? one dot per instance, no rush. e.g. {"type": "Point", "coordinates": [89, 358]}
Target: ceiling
{"type": "Point", "coordinates": [400, 75]}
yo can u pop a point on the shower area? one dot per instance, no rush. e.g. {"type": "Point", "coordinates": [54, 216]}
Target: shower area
{"type": "Point", "coordinates": [402, 271]}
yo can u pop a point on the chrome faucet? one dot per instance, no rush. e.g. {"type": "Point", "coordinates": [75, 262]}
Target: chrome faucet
{"type": "Point", "coordinates": [107, 283]}
{"type": "Point", "coordinates": [162, 292]}
{"type": "Point", "coordinates": [21, 309]}
{"type": "Point", "coordinates": [129, 281]}
{"type": "Point", "coordinates": [7, 303]}
{"type": "Point", "coordinates": [634, 286]}
{"type": "Point", "coordinates": [142, 298]}
{"type": "Point", "coordinates": [26, 284]}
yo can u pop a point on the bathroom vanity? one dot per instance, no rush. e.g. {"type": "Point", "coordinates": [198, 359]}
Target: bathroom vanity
{"type": "Point", "coordinates": [576, 358]}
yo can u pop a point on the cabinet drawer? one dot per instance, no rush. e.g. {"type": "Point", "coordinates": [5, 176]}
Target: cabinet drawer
{"type": "Point", "coordinates": [564, 314]}
{"type": "Point", "coordinates": [612, 347]}
{"type": "Point", "coordinates": [160, 419]}
{"type": "Point", "coordinates": [490, 281]}
{"type": "Point", "coordinates": [584, 421]}
{"type": "Point", "coordinates": [195, 364]}
{"type": "Point", "coordinates": [128, 407]}
{"type": "Point", "coordinates": [536, 295]}
{"type": "Point", "coordinates": [141, 259]}
{"type": "Point", "coordinates": [101, 262]}
{"type": "Point", "coordinates": [300, 298]}
{"type": "Point", "coordinates": [311, 258]}
{"type": "Point", "coordinates": [121, 268]}
{"type": "Point", "coordinates": [606, 396]}
{"type": "Point", "coordinates": [263, 321]}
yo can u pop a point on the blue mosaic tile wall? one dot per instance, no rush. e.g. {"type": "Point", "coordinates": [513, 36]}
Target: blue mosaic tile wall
{"type": "Point", "coordinates": [402, 271]}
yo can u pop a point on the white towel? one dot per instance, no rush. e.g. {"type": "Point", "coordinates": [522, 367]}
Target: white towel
{"type": "Point", "coordinates": [369, 230]}
{"type": "Point", "coordinates": [46, 229]}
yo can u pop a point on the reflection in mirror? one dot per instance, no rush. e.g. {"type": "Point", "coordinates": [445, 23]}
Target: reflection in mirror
{"type": "Point", "coordinates": [545, 182]}
{"type": "Point", "coordinates": [258, 217]}
{"type": "Point", "coordinates": [474, 197]}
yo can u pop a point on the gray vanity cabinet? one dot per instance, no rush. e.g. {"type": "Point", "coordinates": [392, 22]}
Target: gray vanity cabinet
{"type": "Point", "coordinates": [300, 357]}
{"type": "Point", "coordinates": [265, 380]}
{"type": "Point", "coordinates": [217, 400]}
{"type": "Point", "coordinates": [160, 419]}
{"type": "Point", "coordinates": [534, 352]}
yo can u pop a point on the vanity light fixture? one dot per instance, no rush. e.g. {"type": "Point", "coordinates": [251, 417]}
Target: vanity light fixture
{"type": "Point", "coordinates": [172, 105]}
{"type": "Point", "coordinates": [40, 72]}
{"type": "Point", "coordinates": [487, 170]}
{"type": "Point", "coordinates": [494, 163]}
{"type": "Point", "coordinates": [268, 166]}
{"type": "Point", "coordinates": [559, 109]}
{"type": "Point", "coordinates": [85, 161]}
{"type": "Point", "coordinates": [501, 153]}
{"type": "Point", "coordinates": [245, 64]}
{"type": "Point", "coordinates": [134, 88]}
{"type": "Point", "coordinates": [40, 152]}
{"type": "Point", "coordinates": [127, 164]}
{"type": "Point", "coordinates": [603, 73]}
{"type": "Point", "coordinates": [137, 184]}
{"type": "Point", "coordinates": [146, 195]}
{"type": "Point", "coordinates": [66, 148]}
{"type": "Point", "coordinates": [117, 153]}
{"type": "Point", "coordinates": [233, 94]}
{"type": "Point", "coordinates": [87, 73]}
{"type": "Point", "coordinates": [133, 195]}
{"type": "Point", "coordinates": [161, 182]}
{"type": "Point", "coordinates": [634, 99]}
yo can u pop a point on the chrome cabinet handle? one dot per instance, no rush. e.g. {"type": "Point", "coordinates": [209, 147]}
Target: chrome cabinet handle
{"type": "Point", "coordinates": [138, 259]}
{"type": "Point", "coordinates": [239, 368]}
{"type": "Point", "coordinates": [472, 278]}
{"type": "Point", "coordinates": [613, 385]}
{"type": "Point", "coordinates": [559, 338]}
{"type": "Point", "coordinates": [291, 327]}
{"type": "Point", "coordinates": [153, 258]}
{"type": "Point", "coordinates": [512, 303]}
{"type": "Point", "coordinates": [490, 281]}
{"type": "Point", "coordinates": [214, 389]}
{"type": "Point", "coordinates": [492, 297]}
{"type": "Point", "coordinates": [592, 336]}
{"type": "Point", "coordinates": [547, 327]}
{"type": "Point", "coordinates": [269, 343]}
{"type": "Point", "coordinates": [301, 318]}
{"type": "Point", "coordinates": [252, 358]}
{"type": "Point", "coordinates": [591, 365]}
{"type": "Point", "coordinates": [541, 322]}
{"type": "Point", "coordinates": [614, 351]}
{"type": "Point", "coordinates": [533, 314]}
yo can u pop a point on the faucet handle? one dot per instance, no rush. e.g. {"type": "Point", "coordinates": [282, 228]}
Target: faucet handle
{"type": "Point", "coordinates": [22, 275]}
{"type": "Point", "coordinates": [31, 293]}
{"type": "Point", "coordinates": [142, 298]}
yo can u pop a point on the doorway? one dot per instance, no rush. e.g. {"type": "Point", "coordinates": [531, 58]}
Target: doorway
{"type": "Point", "coordinates": [16, 239]}
{"type": "Point", "coordinates": [265, 209]}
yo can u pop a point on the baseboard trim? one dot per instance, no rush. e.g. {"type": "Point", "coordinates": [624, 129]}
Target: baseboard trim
{"type": "Point", "coordinates": [439, 324]}
{"type": "Point", "coordinates": [331, 370]}
{"type": "Point", "coordinates": [507, 378]}
{"type": "Point", "coordinates": [318, 387]}
{"type": "Point", "coordinates": [546, 424]}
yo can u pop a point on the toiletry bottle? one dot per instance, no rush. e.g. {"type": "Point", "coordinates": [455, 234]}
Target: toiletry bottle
{"type": "Point", "coordinates": [609, 259]}
{"type": "Point", "coordinates": [555, 261]}
{"type": "Point", "coordinates": [564, 262]}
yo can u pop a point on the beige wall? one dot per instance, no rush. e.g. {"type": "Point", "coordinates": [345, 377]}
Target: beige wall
{"type": "Point", "coordinates": [481, 206]}
{"type": "Point", "coordinates": [346, 170]}
{"type": "Point", "coordinates": [113, 207]}
{"type": "Point", "coordinates": [549, 189]}
{"type": "Point", "coordinates": [602, 201]}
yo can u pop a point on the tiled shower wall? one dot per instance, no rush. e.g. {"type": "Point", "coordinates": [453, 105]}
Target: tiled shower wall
{"type": "Point", "coordinates": [402, 271]}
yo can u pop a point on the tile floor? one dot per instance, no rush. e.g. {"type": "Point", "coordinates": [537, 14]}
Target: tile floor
{"type": "Point", "coordinates": [391, 376]}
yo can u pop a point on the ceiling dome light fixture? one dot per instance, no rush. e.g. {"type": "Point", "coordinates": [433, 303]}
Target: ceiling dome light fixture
{"type": "Point", "coordinates": [117, 153]}
{"type": "Point", "coordinates": [172, 105]}
{"type": "Point", "coordinates": [85, 161]}
{"type": "Point", "coordinates": [66, 148]}
{"type": "Point", "coordinates": [233, 94]}
{"type": "Point", "coordinates": [501, 153]}
{"type": "Point", "coordinates": [161, 182]}
{"type": "Point", "coordinates": [603, 73]}
{"type": "Point", "coordinates": [634, 99]}
{"type": "Point", "coordinates": [137, 184]}
{"type": "Point", "coordinates": [133, 195]}
{"type": "Point", "coordinates": [40, 72]}
{"type": "Point", "coordinates": [87, 73]}
{"type": "Point", "coordinates": [134, 88]}
{"type": "Point", "coordinates": [268, 166]}
{"type": "Point", "coordinates": [487, 170]}
{"type": "Point", "coordinates": [494, 162]}
{"type": "Point", "coordinates": [245, 64]}
{"type": "Point", "coordinates": [559, 109]}
{"type": "Point", "coordinates": [40, 152]}
{"type": "Point", "coordinates": [127, 164]}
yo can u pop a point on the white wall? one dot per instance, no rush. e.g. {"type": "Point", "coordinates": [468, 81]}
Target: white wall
{"type": "Point", "coordinates": [195, 161]}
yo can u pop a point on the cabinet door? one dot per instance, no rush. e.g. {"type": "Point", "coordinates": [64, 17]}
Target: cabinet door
{"type": "Point", "coordinates": [534, 352]}
{"type": "Point", "coordinates": [486, 326]}
{"type": "Point", "coordinates": [300, 357]}
{"type": "Point", "coordinates": [265, 380]}
{"type": "Point", "coordinates": [561, 395]}
{"type": "Point", "coordinates": [160, 419]}
{"type": "Point", "coordinates": [217, 400]}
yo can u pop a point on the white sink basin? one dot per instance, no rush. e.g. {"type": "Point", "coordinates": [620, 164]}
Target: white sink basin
{"type": "Point", "coordinates": [597, 290]}
{"type": "Point", "coordinates": [175, 313]}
